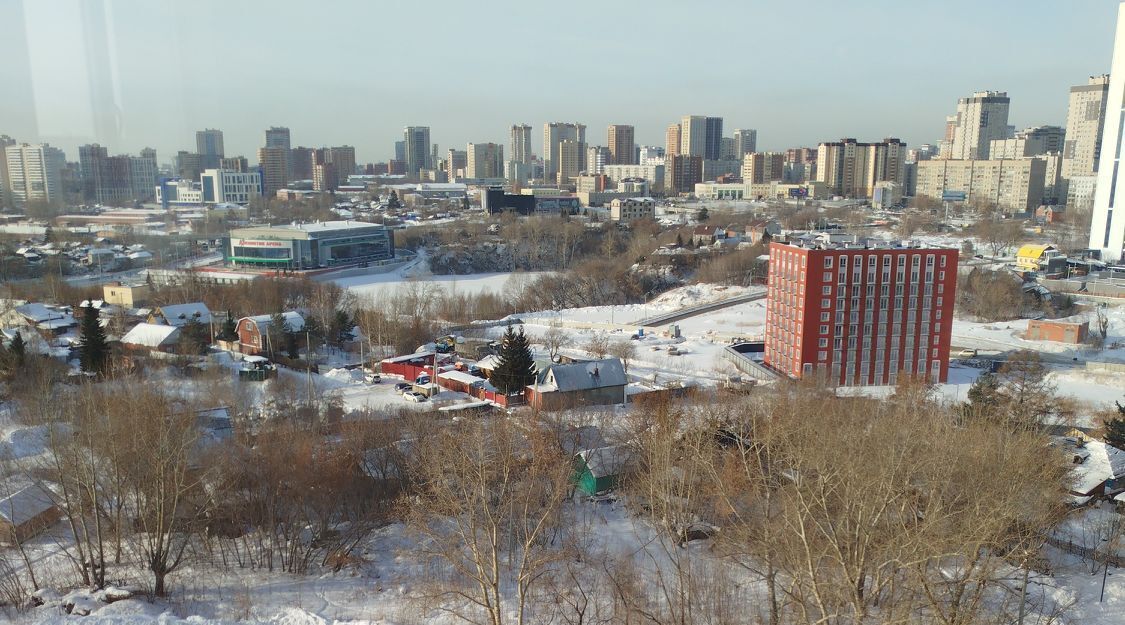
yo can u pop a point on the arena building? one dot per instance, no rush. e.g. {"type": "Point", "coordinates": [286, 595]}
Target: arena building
{"type": "Point", "coordinates": [309, 246]}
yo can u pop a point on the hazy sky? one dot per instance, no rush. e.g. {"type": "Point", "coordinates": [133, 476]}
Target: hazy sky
{"type": "Point", "coordinates": [131, 73]}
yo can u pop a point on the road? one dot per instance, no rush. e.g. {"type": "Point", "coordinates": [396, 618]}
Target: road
{"type": "Point", "coordinates": [691, 311]}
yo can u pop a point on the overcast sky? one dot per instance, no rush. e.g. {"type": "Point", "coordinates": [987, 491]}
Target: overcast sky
{"type": "Point", "coordinates": [136, 73]}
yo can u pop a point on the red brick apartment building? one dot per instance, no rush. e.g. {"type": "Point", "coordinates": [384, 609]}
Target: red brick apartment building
{"type": "Point", "coordinates": [860, 313]}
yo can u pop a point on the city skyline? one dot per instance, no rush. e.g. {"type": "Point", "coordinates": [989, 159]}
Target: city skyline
{"type": "Point", "coordinates": [809, 96]}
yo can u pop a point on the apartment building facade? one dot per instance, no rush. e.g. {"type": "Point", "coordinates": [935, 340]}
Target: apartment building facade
{"type": "Point", "coordinates": [860, 314]}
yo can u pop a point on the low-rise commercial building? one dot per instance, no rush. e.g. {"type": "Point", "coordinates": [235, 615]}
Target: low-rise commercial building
{"type": "Point", "coordinates": [309, 246]}
{"type": "Point", "coordinates": [631, 209]}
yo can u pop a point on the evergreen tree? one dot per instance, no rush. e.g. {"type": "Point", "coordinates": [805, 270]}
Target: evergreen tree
{"type": "Point", "coordinates": [392, 201]}
{"type": "Point", "coordinates": [276, 332]}
{"type": "Point", "coordinates": [93, 349]}
{"type": "Point", "coordinates": [229, 331]}
{"type": "Point", "coordinates": [679, 240]}
{"type": "Point", "coordinates": [194, 338]}
{"type": "Point", "coordinates": [984, 397]}
{"type": "Point", "coordinates": [340, 331]}
{"type": "Point", "coordinates": [1115, 429]}
{"type": "Point", "coordinates": [703, 215]}
{"type": "Point", "coordinates": [48, 235]}
{"type": "Point", "coordinates": [18, 348]}
{"type": "Point", "coordinates": [516, 368]}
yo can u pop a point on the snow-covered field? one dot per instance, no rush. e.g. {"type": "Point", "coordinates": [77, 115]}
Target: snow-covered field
{"type": "Point", "coordinates": [417, 274]}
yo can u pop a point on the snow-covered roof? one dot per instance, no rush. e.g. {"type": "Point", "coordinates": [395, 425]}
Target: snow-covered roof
{"type": "Point", "coordinates": [24, 505]}
{"type": "Point", "coordinates": [180, 314]}
{"type": "Point", "coordinates": [151, 335]}
{"type": "Point", "coordinates": [489, 362]}
{"type": "Point", "coordinates": [1103, 463]}
{"type": "Point", "coordinates": [460, 376]}
{"type": "Point", "coordinates": [605, 461]}
{"type": "Point", "coordinates": [38, 313]}
{"type": "Point", "coordinates": [582, 376]}
{"type": "Point", "coordinates": [292, 319]}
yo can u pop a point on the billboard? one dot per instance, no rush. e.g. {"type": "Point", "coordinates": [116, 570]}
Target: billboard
{"type": "Point", "coordinates": [799, 192]}
{"type": "Point", "coordinates": [953, 196]}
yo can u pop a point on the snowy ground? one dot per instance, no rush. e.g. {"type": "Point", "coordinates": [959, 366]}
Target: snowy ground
{"type": "Point", "coordinates": [418, 273]}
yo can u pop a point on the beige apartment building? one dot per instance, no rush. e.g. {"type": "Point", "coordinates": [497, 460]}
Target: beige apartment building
{"type": "Point", "coordinates": [763, 167]}
{"type": "Point", "coordinates": [1014, 185]}
{"type": "Point", "coordinates": [980, 118]}
{"type": "Point", "coordinates": [622, 146]}
{"type": "Point", "coordinates": [484, 160]}
{"type": "Point", "coordinates": [851, 169]}
{"type": "Point", "coordinates": [569, 160]}
{"type": "Point", "coordinates": [1085, 119]}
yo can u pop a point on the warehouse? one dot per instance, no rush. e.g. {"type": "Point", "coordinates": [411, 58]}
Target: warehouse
{"type": "Point", "coordinates": [309, 246]}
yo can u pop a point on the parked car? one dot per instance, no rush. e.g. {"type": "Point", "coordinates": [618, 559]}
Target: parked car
{"type": "Point", "coordinates": [422, 379]}
{"type": "Point", "coordinates": [372, 378]}
{"type": "Point", "coordinates": [414, 396]}
{"type": "Point", "coordinates": [403, 387]}
{"type": "Point", "coordinates": [967, 353]}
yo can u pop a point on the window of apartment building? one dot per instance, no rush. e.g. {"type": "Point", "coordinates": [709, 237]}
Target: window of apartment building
{"type": "Point", "coordinates": [825, 316]}
{"type": "Point", "coordinates": [937, 313]}
{"type": "Point", "coordinates": [822, 355]}
{"type": "Point", "coordinates": [929, 260]}
{"type": "Point", "coordinates": [839, 330]}
{"type": "Point", "coordinates": [822, 343]}
{"type": "Point", "coordinates": [827, 276]}
{"type": "Point", "coordinates": [825, 303]}
{"type": "Point", "coordinates": [851, 342]}
{"type": "Point", "coordinates": [843, 261]}
{"type": "Point", "coordinates": [937, 339]}
{"type": "Point", "coordinates": [839, 316]}
{"type": "Point", "coordinates": [824, 329]}
{"type": "Point", "coordinates": [941, 276]}
{"type": "Point", "coordinates": [902, 260]}
{"type": "Point", "coordinates": [939, 302]}
{"type": "Point", "coordinates": [826, 290]}
{"type": "Point", "coordinates": [942, 261]}
{"type": "Point", "coordinates": [827, 262]}
{"type": "Point", "coordinates": [837, 343]}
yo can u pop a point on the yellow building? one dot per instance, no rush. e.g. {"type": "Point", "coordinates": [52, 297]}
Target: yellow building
{"type": "Point", "coordinates": [1032, 257]}
{"type": "Point", "coordinates": [124, 295]}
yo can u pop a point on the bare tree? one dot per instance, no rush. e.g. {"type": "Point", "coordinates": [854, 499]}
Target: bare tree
{"type": "Point", "coordinates": [553, 339]}
{"type": "Point", "coordinates": [597, 345]}
{"type": "Point", "coordinates": [623, 350]}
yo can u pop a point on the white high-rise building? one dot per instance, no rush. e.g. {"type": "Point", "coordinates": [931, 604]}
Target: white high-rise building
{"type": "Point", "coordinates": [35, 173]}
{"type": "Point", "coordinates": [417, 153]}
{"type": "Point", "coordinates": [1085, 118]}
{"type": "Point", "coordinates": [1107, 224]}
{"type": "Point", "coordinates": [979, 119]}
{"type": "Point", "coordinates": [520, 143]}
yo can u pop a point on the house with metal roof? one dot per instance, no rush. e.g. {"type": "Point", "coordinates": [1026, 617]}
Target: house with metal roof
{"type": "Point", "coordinates": [591, 383]}
{"type": "Point", "coordinates": [26, 513]}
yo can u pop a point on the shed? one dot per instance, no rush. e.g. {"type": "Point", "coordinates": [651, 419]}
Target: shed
{"type": "Point", "coordinates": [26, 513]}
{"type": "Point", "coordinates": [601, 469]}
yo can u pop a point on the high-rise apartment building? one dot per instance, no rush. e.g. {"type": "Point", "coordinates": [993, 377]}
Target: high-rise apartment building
{"type": "Point", "coordinates": [273, 164]}
{"type": "Point", "coordinates": [1107, 226]}
{"type": "Point", "coordinates": [5, 183]}
{"type": "Point", "coordinates": [857, 314]}
{"type": "Point", "coordinates": [188, 165]}
{"type": "Point", "coordinates": [144, 173]}
{"type": "Point", "coordinates": [763, 167]}
{"type": "Point", "coordinates": [554, 133]}
{"type": "Point", "coordinates": [571, 156]}
{"type": "Point", "coordinates": [240, 164]}
{"type": "Point", "coordinates": [325, 177]}
{"type": "Point", "coordinates": [342, 158]}
{"type": "Point", "coordinates": [455, 164]}
{"type": "Point", "coordinates": [300, 163]}
{"type": "Point", "coordinates": [35, 173]}
{"type": "Point", "coordinates": [597, 157]}
{"type": "Point", "coordinates": [209, 146]}
{"type": "Point", "coordinates": [1012, 185]}
{"type": "Point", "coordinates": [673, 138]}
{"type": "Point", "coordinates": [851, 169]}
{"type": "Point", "coordinates": [622, 145]}
{"type": "Point", "coordinates": [745, 141]}
{"type": "Point", "coordinates": [416, 151]}
{"type": "Point", "coordinates": [400, 151]}
{"type": "Point", "coordinates": [682, 172]}
{"type": "Point", "coordinates": [800, 165]}
{"type": "Point", "coordinates": [520, 143]}
{"type": "Point", "coordinates": [980, 118]}
{"type": "Point", "coordinates": [1085, 119]}
{"type": "Point", "coordinates": [701, 136]}
{"type": "Point", "coordinates": [484, 160]}
{"type": "Point", "coordinates": [726, 150]}
{"type": "Point", "coordinates": [1028, 142]}
{"type": "Point", "coordinates": [277, 137]}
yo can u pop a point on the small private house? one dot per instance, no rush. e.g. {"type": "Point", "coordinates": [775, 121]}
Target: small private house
{"type": "Point", "coordinates": [126, 295]}
{"type": "Point", "coordinates": [253, 332]}
{"type": "Point", "coordinates": [151, 337]}
{"type": "Point", "coordinates": [761, 229]}
{"type": "Point", "coordinates": [1099, 469]}
{"type": "Point", "coordinates": [26, 513]}
{"type": "Point", "coordinates": [180, 314]}
{"type": "Point", "coordinates": [1033, 257]}
{"type": "Point", "coordinates": [601, 469]}
{"type": "Point", "coordinates": [590, 383]}
{"type": "Point", "coordinates": [47, 320]}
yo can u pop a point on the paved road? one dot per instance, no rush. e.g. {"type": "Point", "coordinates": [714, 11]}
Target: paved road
{"type": "Point", "coordinates": [691, 311]}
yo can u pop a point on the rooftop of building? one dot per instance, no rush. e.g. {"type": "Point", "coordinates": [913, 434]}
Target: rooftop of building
{"type": "Point", "coordinates": [842, 241]}
{"type": "Point", "coordinates": [316, 226]}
